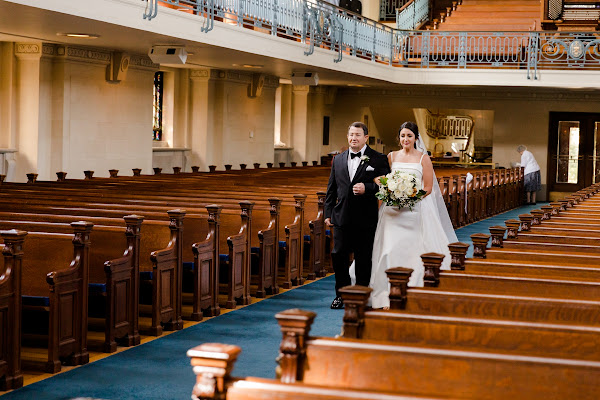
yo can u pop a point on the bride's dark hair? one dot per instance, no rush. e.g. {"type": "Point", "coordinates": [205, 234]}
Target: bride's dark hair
{"type": "Point", "coordinates": [411, 126]}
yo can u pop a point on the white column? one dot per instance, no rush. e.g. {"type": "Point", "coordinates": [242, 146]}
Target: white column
{"type": "Point", "coordinates": [27, 112]}
{"type": "Point", "coordinates": [299, 122]}
{"type": "Point", "coordinates": [7, 96]}
{"type": "Point", "coordinates": [205, 129]}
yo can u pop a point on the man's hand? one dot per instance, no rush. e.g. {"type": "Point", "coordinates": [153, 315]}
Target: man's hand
{"type": "Point", "coordinates": [358, 189]}
{"type": "Point", "coordinates": [328, 221]}
{"type": "Point", "coordinates": [378, 180]}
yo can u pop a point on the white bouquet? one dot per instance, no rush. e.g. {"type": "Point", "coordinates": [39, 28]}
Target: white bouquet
{"type": "Point", "coordinates": [400, 189]}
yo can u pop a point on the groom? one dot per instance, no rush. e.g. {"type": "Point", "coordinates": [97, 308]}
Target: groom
{"type": "Point", "coordinates": [351, 207]}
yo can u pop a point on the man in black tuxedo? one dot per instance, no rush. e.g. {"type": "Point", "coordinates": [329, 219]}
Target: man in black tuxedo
{"type": "Point", "coordinates": [352, 208]}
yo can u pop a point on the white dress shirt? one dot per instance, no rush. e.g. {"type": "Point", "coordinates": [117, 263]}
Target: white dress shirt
{"type": "Point", "coordinates": [353, 163]}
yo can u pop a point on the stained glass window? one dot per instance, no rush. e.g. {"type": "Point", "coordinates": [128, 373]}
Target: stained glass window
{"type": "Point", "coordinates": [157, 109]}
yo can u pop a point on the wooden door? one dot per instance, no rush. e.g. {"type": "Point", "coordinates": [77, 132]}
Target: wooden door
{"type": "Point", "coordinates": [573, 151]}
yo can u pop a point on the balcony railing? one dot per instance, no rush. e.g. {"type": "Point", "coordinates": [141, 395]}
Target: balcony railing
{"type": "Point", "coordinates": [387, 9]}
{"type": "Point", "coordinates": [412, 15]}
{"type": "Point", "coordinates": [320, 24]}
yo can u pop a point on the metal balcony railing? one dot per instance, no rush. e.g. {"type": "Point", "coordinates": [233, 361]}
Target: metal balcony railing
{"type": "Point", "coordinates": [320, 24]}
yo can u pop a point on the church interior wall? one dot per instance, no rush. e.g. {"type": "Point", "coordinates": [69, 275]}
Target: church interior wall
{"type": "Point", "coordinates": [110, 124]}
{"type": "Point", "coordinates": [248, 125]}
{"type": "Point", "coordinates": [521, 116]}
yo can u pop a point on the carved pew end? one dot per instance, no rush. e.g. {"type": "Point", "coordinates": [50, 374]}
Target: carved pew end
{"type": "Point", "coordinates": [480, 241]}
{"type": "Point", "coordinates": [137, 171]}
{"type": "Point", "coordinates": [432, 263]}
{"type": "Point", "coordinates": [61, 176]}
{"type": "Point", "coordinates": [212, 364]}
{"type": "Point", "coordinates": [355, 301]}
{"type": "Point", "coordinates": [295, 326]}
{"type": "Point", "coordinates": [88, 174]}
{"type": "Point", "coordinates": [398, 278]}
{"type": "Point", "coordinates": [497, 233]}
{"type": "Point", "coordinates": [512, 228]}
{"type": "Point", "coordinates": [525, 222]}
{"type": "Point", "coordinates": [31, 177]}
{"type": "Point", "coordinates": [458, 251]}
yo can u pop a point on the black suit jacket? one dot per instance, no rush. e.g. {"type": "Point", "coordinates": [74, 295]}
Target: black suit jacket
{"type": "Point", "coordinates": [341, 205]}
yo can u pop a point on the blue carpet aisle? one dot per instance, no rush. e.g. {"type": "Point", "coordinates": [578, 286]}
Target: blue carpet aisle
{"type": "Point", "coordinates": [160, 370]}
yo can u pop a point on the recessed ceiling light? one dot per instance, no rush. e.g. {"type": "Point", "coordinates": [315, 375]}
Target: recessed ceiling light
{"type": "Point", "coordinates": [80, 35]}
{"type": "Point", "coordinates": [252, 66]}
{"type": "Point", "coordinates": [356, 85]}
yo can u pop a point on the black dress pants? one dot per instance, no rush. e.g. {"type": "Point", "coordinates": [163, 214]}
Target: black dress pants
{"type": "Point", "coordinates": [350, 239]}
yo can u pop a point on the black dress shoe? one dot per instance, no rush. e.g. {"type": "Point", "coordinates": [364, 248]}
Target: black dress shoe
{"type": "Point", "coordinates": [337, 303]}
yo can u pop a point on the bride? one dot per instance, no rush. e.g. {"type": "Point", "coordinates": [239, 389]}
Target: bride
{"type": "Point", "coordinates": [403, 235]}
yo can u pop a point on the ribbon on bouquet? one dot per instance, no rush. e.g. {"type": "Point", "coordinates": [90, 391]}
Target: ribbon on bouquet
{"type": "Point", "coordinates": [469, 179]}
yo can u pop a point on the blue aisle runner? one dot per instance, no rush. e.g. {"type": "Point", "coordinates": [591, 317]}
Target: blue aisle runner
{"type": "Point", "coordinates": [159, 370]}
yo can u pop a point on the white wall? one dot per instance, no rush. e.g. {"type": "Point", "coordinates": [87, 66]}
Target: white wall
{"type": "Point", "coordinates": [226, 125]}
{"type": "Point", "coordinates": [61, 114]}
{"type": "Point", "coordinates": [109, 125]}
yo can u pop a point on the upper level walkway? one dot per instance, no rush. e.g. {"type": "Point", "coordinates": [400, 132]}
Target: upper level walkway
{"type": "Point", "coordinates": [301, 34]}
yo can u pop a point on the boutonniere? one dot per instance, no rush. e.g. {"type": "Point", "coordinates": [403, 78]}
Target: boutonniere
{"type": "Point", "coordinates": [364, 158]}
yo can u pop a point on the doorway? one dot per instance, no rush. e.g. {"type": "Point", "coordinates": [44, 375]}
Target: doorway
{"type": "Point", "coordinates": [573, 151]}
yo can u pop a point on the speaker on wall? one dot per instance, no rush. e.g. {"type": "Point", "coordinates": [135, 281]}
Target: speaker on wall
{"type": "Point", "coordinates": [116, 71]}
{"type": "Point", "coordinates": [305, 78]}
{"type": "Point", "coordinates": [167, 55]}
{"type": "Point", "coordinates": [256, 85]}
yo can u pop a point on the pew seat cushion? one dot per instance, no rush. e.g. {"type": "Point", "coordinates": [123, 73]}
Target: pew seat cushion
{"type": "Point", "coordinates": [97, 289]}
{"type": "Point", "coordinates": [254, 250]}
{"type": "Point", "coordinates": [188, 266]}
{"type": "Point", "coordinates": [223, 258]}
{"type": "Point", "coordinates": [36, 301]}
{"type": "Point", "coordinates": [146, 275]}
{"type": "Point", "coordinates": [282, 244]}
{"type": "Point", "coordinates": [307, 238]}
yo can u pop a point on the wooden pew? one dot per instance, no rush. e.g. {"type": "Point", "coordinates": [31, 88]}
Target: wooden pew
{"type": "Point", "coordinates": [160, 292]}
{"type": "Point", "coordinates": [470, 334]}
{"type": "Point", "coordinates": [56, 291]}
{"type": "Point", "coordinates": [11, 376]}
{"type": "Point", "coordinates": [437, 371]}
{"type": "Point", "coordinates": [317, 251]}
{"type": "Point", "coordinates": [220, 359]}
{"type": "Point", "coordinates": [113, 277]}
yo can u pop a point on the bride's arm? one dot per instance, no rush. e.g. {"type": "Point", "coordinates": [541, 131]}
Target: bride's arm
{"type": "Point", "coordinates": [427, 174]}
{"type": "Point", "coordinates": [389, 157]}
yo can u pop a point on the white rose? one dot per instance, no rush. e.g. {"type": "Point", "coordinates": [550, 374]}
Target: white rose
{"type": "Point", "coordinates": [392, 185]}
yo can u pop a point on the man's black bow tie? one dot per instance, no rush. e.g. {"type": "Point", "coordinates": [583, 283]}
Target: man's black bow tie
{"type": "Point", "coordinates": [352, 155]}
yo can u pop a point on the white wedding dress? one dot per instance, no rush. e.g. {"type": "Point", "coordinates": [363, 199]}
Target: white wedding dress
{"type": "Point", "coordinates": [402, 236]}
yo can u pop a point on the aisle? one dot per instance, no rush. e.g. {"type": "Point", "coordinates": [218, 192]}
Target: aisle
{"type": "Point", "coordinates": [160, 369]}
